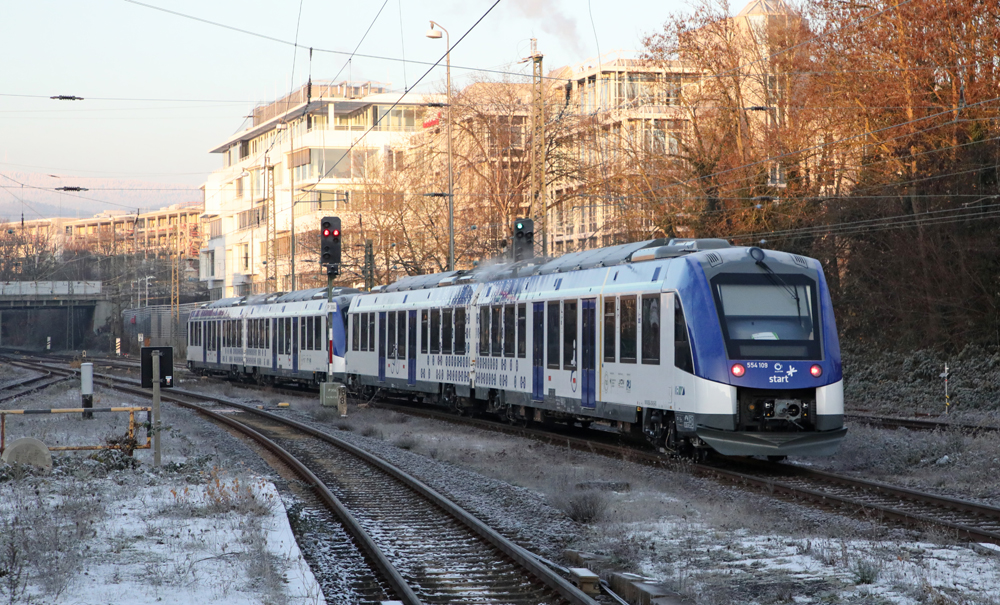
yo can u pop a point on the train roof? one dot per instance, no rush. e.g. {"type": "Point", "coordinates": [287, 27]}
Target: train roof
{"type": "Point", "coordinates": [279, 297]}
{"type": "Point", "coordinates": [574, 261]}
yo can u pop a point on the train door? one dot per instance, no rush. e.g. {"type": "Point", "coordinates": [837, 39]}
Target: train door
{"type": "Point", "coordinates": [295, 344]}
{"type": "Point", "coordinates": [274, 343]}
{"type": "Point", "coordinates": [381, 346]}
{"type": "Point", "coordinates": [537, 351]}
{"type": "Point", "coordinates": [203, 332]}
{"type": "Point", "coordinates": [589, 350]}
{"type": "Point", "coordinates": [411, 348]}
{"type": "Point", "coordinates": [218, 342]}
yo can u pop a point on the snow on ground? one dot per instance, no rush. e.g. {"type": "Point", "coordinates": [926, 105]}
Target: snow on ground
{"type": "Point", "coordinates": [101, 528]}
{"type": "Point", "coordinates": [140, 536]}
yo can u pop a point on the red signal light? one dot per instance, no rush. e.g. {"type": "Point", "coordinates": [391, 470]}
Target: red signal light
{"type": "Point", "coordinates": [816, 371]}
{"type": "Point", "coordinates": [738, 370]}
{"type": "Point", "coordinates": [336, 233]}
{"type": "Point", "coordinates": [326, 233]}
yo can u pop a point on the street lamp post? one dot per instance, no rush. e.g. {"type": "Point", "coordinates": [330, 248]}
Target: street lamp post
{"type": "Point", "coordinates": [435, 34]}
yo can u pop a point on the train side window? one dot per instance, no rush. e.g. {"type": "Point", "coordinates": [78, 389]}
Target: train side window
{"type": "Point", "coordinates": [522, 330]}
{"type": "Point", "coordinates": [267, 333]}
{"type": "Point", "coordinates": [509, 321]}
{"type": "Point", "coordinates": [448, 328]}
{"type": "Point", "coordinates": [281, 336]}
{"type": "Point", "coordinates": [288, 335]}
{"type": "Point", "coordinates": [424, 334]}
{"type": "Point", "coordinates": [484, 330]}
{"type": "Point", "coordinates": [362, 318]}
{"type": "Point", "coordinates": [320, 322]}
{"type": "Point", "coordinates": [569, 335]}
{"type": "Point", "coordinates": [302, 333]}
{"type": "Point", "coordinates": [371, 332]}
{"type": "Point", "coordinates": [552, 338]}
{"type": "Point", "coordinates": [401, 334]}
{"type": "Point", "coordinates": [460, 331]}
{"type": "Point", "coordinates": [609, 329]}
{"type": "Point", "coordinates": [651, 329]}
{"type": "Point", "coordinates": [240, 334]}
{"type": "Point", "coordinates": [435, 331]}
{"type": "Point", "coordinates": [496, 331]}
{"type": "Point", "coordinates": [356, 332]}
{"type": "Point", "coordinates": [682, 344]}
{"type": "Point", "coordinates": [390, 338]}
{"type": "Point", "coordinates": [627, 328]}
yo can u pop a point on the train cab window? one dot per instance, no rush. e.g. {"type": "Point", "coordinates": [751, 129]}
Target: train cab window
{"type": "Point", "coordinates": [682, 345]}
{"type": "Point", "coordinates": [509, 321]}
{"type": "Point", "coordinates": [459, 331]}
{"type": "Point", "coordinates": [448, 328]}
{"type": "Point", "coordinates": [484, 330]}
{"type": "Point", "coordinates": [424, 334]}
{"type": "Point", "coordinates": [610, 332]}
{"type": "Point", "coordinates": [569, 335]}
{"type": "Point", "coordinates": [627, 329]}
{"type": "Point", "coordinates": [496, 329]}
{"type": "Point", "coordinates": [764, 317]}
{"type": "Point", "coordinates": [552, 337]}
{"type": "Point", "coordinates": [401, 334]}
{"type": "Point", "coordinates": [651, 329]}
{"type": "Point", "coordinates": [362, 318]}
{"type": "Point", "coordinates": [371, 332]}
{"type": "Point", "coordinates": [435, 335]}
{"type": "Point", "coordinates": [522, 330]}
{"type": "Point", "coordinates": [390, 352]}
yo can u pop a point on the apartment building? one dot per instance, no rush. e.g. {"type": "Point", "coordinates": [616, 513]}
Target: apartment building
{"type": "Point", "coordinates": [165, 232]}
{"type": "Point", "coordinates": [312, 153]}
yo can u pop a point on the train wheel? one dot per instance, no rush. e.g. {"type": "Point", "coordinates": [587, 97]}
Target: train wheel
{"type": "Point", "coordinates": [776, 458]}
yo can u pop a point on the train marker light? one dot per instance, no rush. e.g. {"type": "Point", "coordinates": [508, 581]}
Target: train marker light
{"type": "Point", "coordinates": [816, 371]}
{"type": "Point", "coordinates": [738, 370]}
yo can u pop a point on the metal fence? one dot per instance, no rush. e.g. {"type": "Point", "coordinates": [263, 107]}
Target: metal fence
{"type": "Point", "coordinates": [155, 324]}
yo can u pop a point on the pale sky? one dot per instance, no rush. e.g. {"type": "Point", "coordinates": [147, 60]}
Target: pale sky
{"type": "Point", "coordinates": [161, 89]}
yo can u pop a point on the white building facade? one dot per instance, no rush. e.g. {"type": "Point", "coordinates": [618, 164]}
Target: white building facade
{"type": "Point", "coordinates": [299, 160]}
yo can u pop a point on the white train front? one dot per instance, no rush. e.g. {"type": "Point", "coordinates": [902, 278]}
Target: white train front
{"type": "Point", "coordinates": [694, 343]}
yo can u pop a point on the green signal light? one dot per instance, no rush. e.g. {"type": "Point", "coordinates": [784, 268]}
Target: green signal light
{"type": "Point", "coordinates": [520, 225]}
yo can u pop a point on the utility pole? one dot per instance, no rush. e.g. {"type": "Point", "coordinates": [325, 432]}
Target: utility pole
{"type": "Point", "coordinates": [369, 266]}
{"type": "Point", "coordinates": [175, 289]}
{"type": "Point", "coordinates": [271, 272]}
{"type": "Point", "coordinates": [538, 145]}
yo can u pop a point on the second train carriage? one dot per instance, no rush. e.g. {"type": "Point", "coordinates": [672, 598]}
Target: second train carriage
{"type": "Point", "coordinates": [693, 342]}
{"type": "Point", "coordinates": [293, 337]}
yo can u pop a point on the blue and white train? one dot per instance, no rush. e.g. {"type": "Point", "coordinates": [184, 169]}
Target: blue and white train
{"type": "Point", "coordinates": [693, 343]}
{"type": "Point", "coordinates": [269, 338]}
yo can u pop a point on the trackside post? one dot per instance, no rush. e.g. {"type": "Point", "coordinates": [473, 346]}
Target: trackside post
{"type": "Point", "coordinates": [156, 408]}
{"type": "Point", "coordinates": [87, 388]}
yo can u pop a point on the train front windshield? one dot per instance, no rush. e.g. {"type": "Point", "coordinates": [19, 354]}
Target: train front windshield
{"type": "Point", "coordinates": [768, 316]}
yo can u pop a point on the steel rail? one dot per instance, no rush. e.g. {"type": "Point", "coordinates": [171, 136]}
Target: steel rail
{"type": "Point", "coordinates": [920, 425]}
{"type": "Point", "coordinates": [361, 537]}
{"type": "Point", "coordinates": [518, 554]}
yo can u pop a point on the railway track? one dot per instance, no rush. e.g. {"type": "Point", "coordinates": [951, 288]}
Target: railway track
{"type": "Point", "coordinates": [419, 546]}
{"type": "Point", "coordinates": [914, 424]}
{"type": "Point", "coordinates": [26, 386]}
{"type": "Point", "coordinates": [969, 520]}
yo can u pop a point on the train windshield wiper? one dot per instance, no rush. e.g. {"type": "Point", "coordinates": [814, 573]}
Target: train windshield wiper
{"type": "Point", "coordinates": [776, 280]}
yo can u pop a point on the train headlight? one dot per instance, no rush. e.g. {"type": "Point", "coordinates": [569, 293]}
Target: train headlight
{"type": "Point", "coordinates": [738, 370]}
{"type": "Point", "coordinates": [816, 371]}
